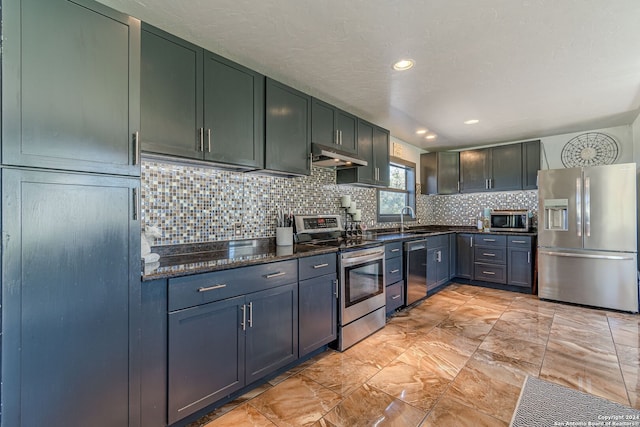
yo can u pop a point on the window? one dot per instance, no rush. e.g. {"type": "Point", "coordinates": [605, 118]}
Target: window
{"type": "Point", "coordinates": [401, 192]}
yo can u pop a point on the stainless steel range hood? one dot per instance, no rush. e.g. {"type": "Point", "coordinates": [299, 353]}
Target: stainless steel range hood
{"type": "Point", "coordinates": [331, 157]}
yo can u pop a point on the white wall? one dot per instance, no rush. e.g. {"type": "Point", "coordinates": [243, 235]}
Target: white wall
{"type": "Point", "coordinates": [399, 148]}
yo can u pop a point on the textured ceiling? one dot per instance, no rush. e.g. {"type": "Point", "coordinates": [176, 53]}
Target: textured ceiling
{"type": "Point", "coordinates": [524, 68]}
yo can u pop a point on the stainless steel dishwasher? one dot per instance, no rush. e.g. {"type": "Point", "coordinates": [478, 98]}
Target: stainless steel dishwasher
{"type": "Point", "coordinates": [415, 254]}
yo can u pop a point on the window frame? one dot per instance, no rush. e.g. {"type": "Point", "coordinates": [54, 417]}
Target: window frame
{"type": "Point", "coordinates": [410, 191]}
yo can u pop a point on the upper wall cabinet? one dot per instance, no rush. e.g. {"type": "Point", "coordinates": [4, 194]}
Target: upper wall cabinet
{"type": "Point", "coordinates": [491, 169]}
{"type": "Point", "coordinates": [530, 164]}
{"type": "Point", "coordinates": [198, 105]}
{"type": "Point", "coordinates": [333, 127]}
{"type": "Point", "coordinates": [440, 172]}
{"type": "Point", "coordinates": [288, 130]}
{"type": "Point", "coordinates": [70, 86]}
{"type": "Point", "coordinates": [373, 146]}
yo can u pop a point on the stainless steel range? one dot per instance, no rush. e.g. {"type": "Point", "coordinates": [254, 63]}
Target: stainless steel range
{"type": "Point", "coordinates": [361, 275]}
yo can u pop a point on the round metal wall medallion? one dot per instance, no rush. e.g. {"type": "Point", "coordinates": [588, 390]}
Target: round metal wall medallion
{"type": "Point", "coordinates": [590, 149]}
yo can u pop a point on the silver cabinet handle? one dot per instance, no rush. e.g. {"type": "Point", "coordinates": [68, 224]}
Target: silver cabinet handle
{"type": "Point", "coordinates": [211, 288]}
{"type": "Point", "coordinates": [250, 315]}
{"type": "Point", "coordinates": [278, 274]}
{"type": "Point", "coordinates": [136, 148]}
{"type": "Point", "coordinates": [579, 207]}
{"type": "Point", "coordinates": [321, 265]}
{"type": "Point", "coordinates": [489, 254]}
{"type": "Point", "coordinates": [458, 186]}
{"type": "Point", "coordinates": [518, 241]}
{"type": "Point", "coordinates": [336, 140]}
{"type": "Point", "coordinates": [471, 242]}
{"type": "Point", "coordinates": [489, 240]}
{"type": "Point", "coordinates": [394, 271]}
{"type": "Point", "coordinates": [339, 137]}
{"type": "Point", "coordinates": [439, 256]}
{"type": "Point", "coordinates": [209, 138]}
{"type": "Point", "coordinates": [244, 317]}
{"type": "Point", "coordinates": [395, 297]}
{"type": "Point", "coordinates": [201, 132]}
{"type": "Point", "coordinates": [395, 250]}
{"type": "Point", "coordinates": [335, 282]}
{"type": "Point", "coordinates": [490, 273]}
{"type": "Point", "coordinates": [576, 255]}
{"type": "Point", "coordinates": [486, 184]}
{"type": "Point", "coordinates": [529, 257]}
{"type": "Point", "coordinates": [587, 206]}
{"type": "Point", "coordinates": [490, 183]}
{"type": "Point", "coordinates": [136, 204]}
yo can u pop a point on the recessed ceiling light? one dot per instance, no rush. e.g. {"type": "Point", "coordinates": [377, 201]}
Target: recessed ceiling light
{"type": "Point", "coordinates": [471, 122]}
{"type": "Point", "coordinates": [431, 136]}
{"type": "Point", "coordinates": [403, 64]}
{"type": "Point", "coordinates": [421, 131]}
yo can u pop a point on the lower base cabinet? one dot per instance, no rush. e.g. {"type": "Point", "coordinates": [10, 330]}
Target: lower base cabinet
{"type": "Point", "coordinates": [317, 308]}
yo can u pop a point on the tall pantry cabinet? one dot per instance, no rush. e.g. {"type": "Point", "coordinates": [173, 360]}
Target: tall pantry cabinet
{"type": "Point", "coordinates": [70, 216]}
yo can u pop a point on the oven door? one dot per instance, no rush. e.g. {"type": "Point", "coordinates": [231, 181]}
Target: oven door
{"type": "Point", "coordinates": [362, 283]}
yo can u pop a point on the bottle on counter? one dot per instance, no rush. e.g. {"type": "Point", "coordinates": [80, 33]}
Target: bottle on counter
{"type": "Point", "coordinates": [480, 222]}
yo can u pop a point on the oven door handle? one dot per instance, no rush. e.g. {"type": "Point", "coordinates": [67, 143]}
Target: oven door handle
{"type": "Point", "coordinates": [359, 259]}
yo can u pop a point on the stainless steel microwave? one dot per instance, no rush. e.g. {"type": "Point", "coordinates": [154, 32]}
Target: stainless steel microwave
{"type": "Point", "coordinates": [511, 220]}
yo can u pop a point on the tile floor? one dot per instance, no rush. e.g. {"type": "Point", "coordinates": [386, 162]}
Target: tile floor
{"type": "Point", "coordinates": [458, 359]}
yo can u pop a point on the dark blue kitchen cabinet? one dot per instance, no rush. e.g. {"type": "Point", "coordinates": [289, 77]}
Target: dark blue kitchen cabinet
{"type": "Point", "coordinates": [464, 256]}
{"type": "Point", "coordinates": [70, 294]}
{"type": "Point", "coordinates": [437, 261]}
{"type": "Point", "coordinates": [394, 276]}
{"type": "Point", "coordinates": [373, 146]}
{"type": "Point", "coordinates": [70, 86]}
{"type": "Point", "coordinates": [287, 129]}
{"type": "Point", "coordinates": [491, 169]}
{"type": "Point", "coordinates": [206, 355]}
{"type": "Point", "coordinates": [198, 105]}
{"type": "Point", "coordinates": [333, 127]}
{"type": "Point", "coordinates": [440, 172]}
{"type": "Point", "coordinates": [530, 164]}
{"type": "Point", "coordinates": [520, 260]}
{"type": "Point", "coordinates": [272, 330]}
{"type": "Point", "coordinates": [317, 302]}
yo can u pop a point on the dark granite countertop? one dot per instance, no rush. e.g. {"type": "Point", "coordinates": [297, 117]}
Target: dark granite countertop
{"type": "Point", "coordinates": [185, 260]}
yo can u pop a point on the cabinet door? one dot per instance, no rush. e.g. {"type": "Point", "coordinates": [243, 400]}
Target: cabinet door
{"type": "Point", "coordinates": [365, 174]}
{"type": "Point", "coordinates": [170, 95]}
{"type": "Point", "coordinates": [432, 268]}
{"type": "Point", "coordinates": [464, 256]}
{"type": "Point", "coordinates": [381, 155]}
{"type": "Point", "coordinates": [206, 355]}
{"type": "Point", "coordinates": [519, 267]}
{"type": "Point", "coordinates": [70, 293]}
{"type": "Point", "coordinates": [70, 86]}
{"type": "Point", "coordinates": [288, 130]}
{"type": "Point", "coordinates": [530, 164]}
{"type": "Point", "coordinates": [506, 167]}
{"type": "Point", "coordinates": [317, 311]}
{"type": "Point", "coordinates": [323, 124]}
{"type": "Point", "coordinates": [233, 113]}
{"type": "Point", "coordinates": [272, 330]}
{"type": "Point", "coordinates": [346, 125]}
{"type": "Point", "coordinates": [448, 172]}
{"type": "Point", "coordinates": [474, 165]}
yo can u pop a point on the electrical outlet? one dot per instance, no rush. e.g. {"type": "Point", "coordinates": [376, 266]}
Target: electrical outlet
{"type": "Point", "coordinates": [238, 228]}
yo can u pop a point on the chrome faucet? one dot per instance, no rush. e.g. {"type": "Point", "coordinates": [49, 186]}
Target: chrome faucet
{"type": "Point", "coordinates": [413, 214]}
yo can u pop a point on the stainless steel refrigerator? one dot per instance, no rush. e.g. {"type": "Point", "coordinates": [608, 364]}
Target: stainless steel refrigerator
{"type": "Point", "coordinates": [587, 250]}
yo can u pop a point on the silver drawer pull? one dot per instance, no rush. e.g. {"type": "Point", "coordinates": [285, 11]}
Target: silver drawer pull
{"type": "Point", "coordinates": [211, 288]}
{"type": "Point", "coordinates": [518, 241]}
{"type": "Point", "coordinates": [278, 274]}
{"type": "Point", "coordinates": [321, 265]}
{"type": "Point", "coordinates": [490, 273]}
{"type": "Point", "coordinates": [395, 250]}
{"type": "Point", "coordinates": [394, 271]}
{"type": "Point", "coordinates": [489, 254]}
{"type": "Point", "coordinates": [395, 297]}
{"type": "Point", "coordinates": [489, 240]}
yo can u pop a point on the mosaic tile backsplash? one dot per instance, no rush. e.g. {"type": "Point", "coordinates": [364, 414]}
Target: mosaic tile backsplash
{"type": "Point", "coordinates": [196, 204]}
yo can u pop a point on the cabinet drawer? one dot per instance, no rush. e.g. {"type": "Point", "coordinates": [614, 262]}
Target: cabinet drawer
{"type": "Point", "coordinates": [393, 269]}
{"type": "Point", "coordinates": [395, 296]}
{"type": "Point", "coordinates": [203, 288]}
{"type": "Point", "coordinates": [519, 241]}
{"type": "Point", "coordinates": [317, 265]}
{"type": "Point", "coordinates": [490, 254]}
{"type": "Point", "coordinates": [490, 240]}
{"type": "Point", "coordinates": [392, 250]}
{"type": "Point", "coordinates": [437, 241]}
{"type": "Point", "coordinates": [491, 273]}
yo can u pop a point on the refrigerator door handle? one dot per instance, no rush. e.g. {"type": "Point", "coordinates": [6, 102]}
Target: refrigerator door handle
{"type": "Point", "coordinates": [579, 206]}
{"type": "Point", "coordinates": [587, 207]}
{"type": "Point", "coordinates": [576, 255]}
